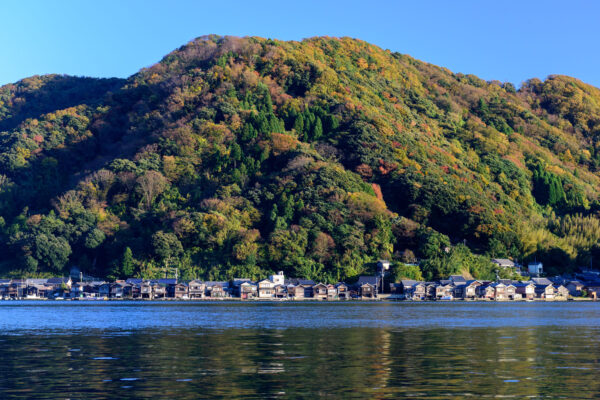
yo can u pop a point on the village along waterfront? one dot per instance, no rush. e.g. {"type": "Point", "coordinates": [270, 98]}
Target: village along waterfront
{"type": "Point", "coordinates": [281, 349]}
{"type": "Point", "coordinates": [279, 287]}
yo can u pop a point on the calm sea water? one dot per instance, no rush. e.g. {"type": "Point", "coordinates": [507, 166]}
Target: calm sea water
{"type": "Point", "coordinates": [184, 350]}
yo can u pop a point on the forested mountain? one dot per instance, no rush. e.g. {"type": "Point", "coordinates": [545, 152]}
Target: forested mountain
{"type": "Point", "coordinates": [240, 156]}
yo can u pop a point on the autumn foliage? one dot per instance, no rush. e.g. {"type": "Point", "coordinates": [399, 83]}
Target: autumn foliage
{"type": "Point", "coordinates": [240, 156]}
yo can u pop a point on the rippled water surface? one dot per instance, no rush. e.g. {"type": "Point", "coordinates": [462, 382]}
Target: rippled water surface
{"type": "Point", "coordinates": [296, 350]}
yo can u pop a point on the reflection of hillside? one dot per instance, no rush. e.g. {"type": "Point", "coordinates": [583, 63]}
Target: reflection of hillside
{"type": "Point", "coordinates": [363, 362]}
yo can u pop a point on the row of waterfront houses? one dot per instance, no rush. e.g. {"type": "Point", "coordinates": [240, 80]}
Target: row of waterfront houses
{"type": "Point", "coordinates": [275, 287]}
{"type": "Point", "coordinates": [457, 287]}
{"type": "Point", "coordinates": [278, 287]}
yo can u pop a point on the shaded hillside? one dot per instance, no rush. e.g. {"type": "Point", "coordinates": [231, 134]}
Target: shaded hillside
{"type": "Point", "coordinates": [240, 156]}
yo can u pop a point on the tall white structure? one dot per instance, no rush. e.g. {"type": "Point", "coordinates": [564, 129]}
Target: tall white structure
{"type": "Point", "coordinates": [278, 279]}
{"type": "Point", "coordinates": [383, 265]}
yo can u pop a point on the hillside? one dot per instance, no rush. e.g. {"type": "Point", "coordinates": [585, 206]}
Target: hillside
{"type": "Point", "coordinates": [241, 156]}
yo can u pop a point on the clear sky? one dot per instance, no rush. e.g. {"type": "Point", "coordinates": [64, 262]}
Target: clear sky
{"type": "Point", "coordinates": [505, 40]}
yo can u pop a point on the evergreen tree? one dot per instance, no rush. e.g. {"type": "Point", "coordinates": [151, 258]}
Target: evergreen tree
{"type": "Point", "coordinates": [299, 125]}
{"type": "Point", "coordinates": [127, 265]}
{"type": "Point", "coordinates": [317, 129]}
{"type": "Point", "coordinates": [236, 153]}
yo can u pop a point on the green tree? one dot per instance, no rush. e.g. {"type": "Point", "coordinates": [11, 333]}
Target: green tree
{"type": "Point", "coordinates": [50, 251]}
{"type": "Point", "coordinates": [402, 271]}
{"type": "Point", "coordinates": [94, 238]}
{"type": "Point", "coordinates": [317, 129]}
{"type": "Point", "coordinates": [236, 153]}
{"type": "Point", "coordinates": [166, 246]}
{"type": "Point", "coordinates": [127, 265]}
{"type": "Point", "coordinates": [299, 125]}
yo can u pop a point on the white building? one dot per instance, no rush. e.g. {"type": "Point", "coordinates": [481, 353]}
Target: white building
{"type": "Point", "coordinates": [535, 268]}
{"type": "Point", "coordinates": [278, 279]}
{"type": "Point", "coordinates": [266, 288]}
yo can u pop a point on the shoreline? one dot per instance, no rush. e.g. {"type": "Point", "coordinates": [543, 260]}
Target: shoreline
{"type": "Point", "coordinates": [307, 300]}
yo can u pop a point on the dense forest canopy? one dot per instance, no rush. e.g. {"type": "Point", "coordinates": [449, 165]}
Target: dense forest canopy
{"type": "Point", "coordinates": [242, 156]}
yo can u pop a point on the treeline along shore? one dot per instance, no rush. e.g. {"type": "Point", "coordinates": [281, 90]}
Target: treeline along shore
{"type": "Point", "coordinates": [278, 287]}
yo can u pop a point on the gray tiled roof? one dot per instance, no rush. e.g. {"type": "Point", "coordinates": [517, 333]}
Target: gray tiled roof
{"type": "Point", "coordinates": [215, 283]}
{"type": "Point", "coordinates": [37, 281]}
{"type": "Point", "coordinates": [458, 279]}
{"type": "Point", "coordinates": [504, 262]}
{"type": "Point", "coordinates": [297, 282]}
{"type": "Point", "coordinates": [58, 280]}
{"type": "Point", "coordinates": [372, 280]}
{"type": "Point", "coordinates": [408, 282]}
{"type": "Point", "coordinates": [541, 281]}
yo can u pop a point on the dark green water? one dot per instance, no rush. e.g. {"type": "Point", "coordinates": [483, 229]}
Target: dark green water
{"type": "Point", "coordinates": [263, 350]}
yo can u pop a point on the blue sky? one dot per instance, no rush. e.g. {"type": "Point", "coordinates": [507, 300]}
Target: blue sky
{"type": "Point", "coordinates": [505, 40]}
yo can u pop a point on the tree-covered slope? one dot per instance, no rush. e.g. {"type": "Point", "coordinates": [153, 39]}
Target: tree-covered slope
{"type": "Point", "coordinates": [240, 156]}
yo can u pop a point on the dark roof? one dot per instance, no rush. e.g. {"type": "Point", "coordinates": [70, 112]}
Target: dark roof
{"type": "Point", "coordinates": [58, 280]}
{"type": "Point", "coordinates": [37, 286]}
{"type": "Point", "coordinates": [458, 279]}
{"type": "Point", "coordinates": [586, 276]}
{"type": "Point", "coordinates": [371, 280]}
{"type": "Point", "coordinates": [557, 285]}
{"type": "Point", "coordinates": [239, 281]}
{"type": "Point", "coordinates": [296, 281]}
{"type": "Point", "coordinates": [169, 281]}
{"type": "Point", "coordinates": [541, 281]}
{"type": "Point", "coordinates": [445, 282]}
{"type": "Point", "coordinates": [522, 284]}
{"type": "Point", "coordinates": [592, 284]}
{"type": "Point", "coordinates": [134, 281]}
{"type": "Point", "coordinates": [214, 283]}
